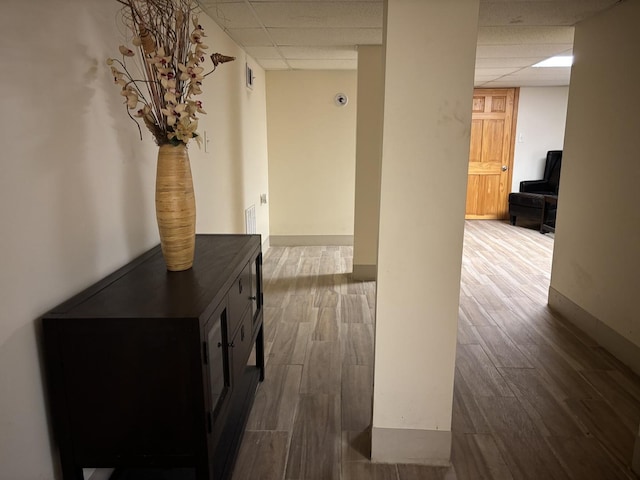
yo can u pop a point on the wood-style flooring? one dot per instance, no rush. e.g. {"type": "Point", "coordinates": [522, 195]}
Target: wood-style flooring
{"type": "Point", "coordinates": [534, 398]}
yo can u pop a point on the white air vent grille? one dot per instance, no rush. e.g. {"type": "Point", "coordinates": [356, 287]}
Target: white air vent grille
{"type": "Point", "coordinates": [250, 220]}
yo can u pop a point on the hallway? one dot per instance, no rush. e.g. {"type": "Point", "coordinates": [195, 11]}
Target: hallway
{"type": "Point", "coordinates": [533, 397]}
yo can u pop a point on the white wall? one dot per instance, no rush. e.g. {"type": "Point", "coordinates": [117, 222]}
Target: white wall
{"type": "Point", "coordinates": [425, 157]}
{"type": "Point", "coordinates": [540, 127]}
{"type": "Point", "coordinates": [596, 262]}
{"type": "Point", "coordinates": [368, 160]}
{"type": "Point", "coordinates": [77, 186]}
{"type": "Point", "coordinates": [311, 152]}
{"type": "Point", "coordinates": [232, 174]}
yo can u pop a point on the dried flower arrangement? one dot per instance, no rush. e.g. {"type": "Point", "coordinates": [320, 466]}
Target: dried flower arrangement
{"type": "Point", "coordinates": [170, 51]}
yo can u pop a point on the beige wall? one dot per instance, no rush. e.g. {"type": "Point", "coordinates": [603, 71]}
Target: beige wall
{"type": "Point", "coordinates": [232, 174]}
{"type": "Point", "coordinates": [596, 263]}
{"type": "Point", "coordinates": [311, 152]}
{"type": "Point", "coordinates": [77, 186]}
{"type": "Point", "coordinates": [368, 159]}
{"type": "Point", "coordinates": [425, 154]}
{"type": "Point", "coordinates": [542, 113]}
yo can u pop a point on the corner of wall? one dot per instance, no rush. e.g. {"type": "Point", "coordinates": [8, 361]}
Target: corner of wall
{"type": "Point", "coordinates": [364, 272]}
{"type": "Point", "coordinates": [621, 348]}
{"type": "Point", "coordinates": [266, 243]}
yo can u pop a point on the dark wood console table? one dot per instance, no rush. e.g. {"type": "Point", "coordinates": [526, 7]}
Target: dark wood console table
{"type": "Point", "coordinates": [152, 370]}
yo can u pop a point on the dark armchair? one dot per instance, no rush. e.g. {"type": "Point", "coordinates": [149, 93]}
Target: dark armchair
{"type": "Point", "coordinates": [538, 199]}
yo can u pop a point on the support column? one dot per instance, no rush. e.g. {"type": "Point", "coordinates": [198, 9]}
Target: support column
{"type": "Point", "coordinates": [368, 160]}
{"type": "Point", "coordinates": [429, 70]}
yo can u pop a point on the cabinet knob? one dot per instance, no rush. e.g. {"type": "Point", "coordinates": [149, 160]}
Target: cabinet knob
{"type": "Point", "coordinates": [231, 345]}
{"type": "Point", "coordinates": [254, 298]}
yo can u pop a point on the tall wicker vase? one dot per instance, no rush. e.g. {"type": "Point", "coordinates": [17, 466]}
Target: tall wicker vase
{"type": "Point", "coordinates": [175, 207]}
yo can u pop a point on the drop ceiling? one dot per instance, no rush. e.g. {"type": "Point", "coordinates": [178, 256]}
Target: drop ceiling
{"type": "Point", "coordinates": [324, 35]}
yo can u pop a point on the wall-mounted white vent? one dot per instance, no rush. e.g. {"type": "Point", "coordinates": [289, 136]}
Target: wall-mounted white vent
{"type": "Point", "coordinates": [250, 220]}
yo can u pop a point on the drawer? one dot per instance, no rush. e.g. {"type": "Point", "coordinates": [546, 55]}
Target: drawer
{"type": "Point", "coordinates": [239, 298]}
{"type": "Point", "coordinates": [241, 346]}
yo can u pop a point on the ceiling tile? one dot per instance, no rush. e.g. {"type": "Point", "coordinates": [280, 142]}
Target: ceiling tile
{"type": "Point", "coordinates": [214, 3]}
{"type": "Point", "coordinates": [246, 37]}
{"type": "Point", "coordinates": [320, 14]}
{"type": "Point", "coordinates": [317, 1]}
{"type": "Point", "coordinates": [494, 71]}
{"type": "Point", "coordinates": [263, 52]}
{"type": "Point", "coordinates": [538, 77]}
{"type": "Point", "coordinates": [492, 51]}
{"type": "Point", "coordinates": [565, 12]}
{"type": "Point", "coordinates": [207, 5]}
{"type": "Point", "coordinates": [502, 62]}
{"type": "Point", "coordinates": [326, 36]}
{"type": "Point", "coordinates": [233, 15]}
{"type": "Point", "coordinates": [521, 35]}
{"type": "Point", "coordinates": [485, 78]}
{"type": "Point", "coordinates": [505, 82]}
{"type": "Point", "coordinates": [301, 53]}
{"type": "Point", "coordinates": [272, 64]}
{"type": "Point", "coordinates": [496, 84]}
{"type": "Point", "coordinates": [324, 64]}
{"type": "Point", "coordinates": [542, 73]}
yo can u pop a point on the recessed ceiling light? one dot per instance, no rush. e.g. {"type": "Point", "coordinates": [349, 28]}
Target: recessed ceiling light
{"type": "Point", "coordinates": [557, 61]}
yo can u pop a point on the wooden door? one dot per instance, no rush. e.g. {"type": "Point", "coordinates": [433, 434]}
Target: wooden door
{"type": "Point", "coordinates": [491, 153]}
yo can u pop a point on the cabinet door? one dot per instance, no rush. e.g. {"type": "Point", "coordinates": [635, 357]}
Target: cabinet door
{"type": "Point", "coordinates": [241, 347]}
{"type": "Point", "coordinates": [129, 388]}
{"type": "Point", "coordinates": [218, 362]}
{"type": "Point", "coordinates": [256, 288]}
{"type": "Point", "coordinates": [239, 298]}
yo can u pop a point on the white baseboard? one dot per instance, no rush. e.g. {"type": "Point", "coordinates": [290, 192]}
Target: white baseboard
{"type": "Point", "coordinates": [399, 445]}
{"type": "Point", "coordinates": [616, 344]}
{"type": "Point", "coordinates": [310, 240]}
